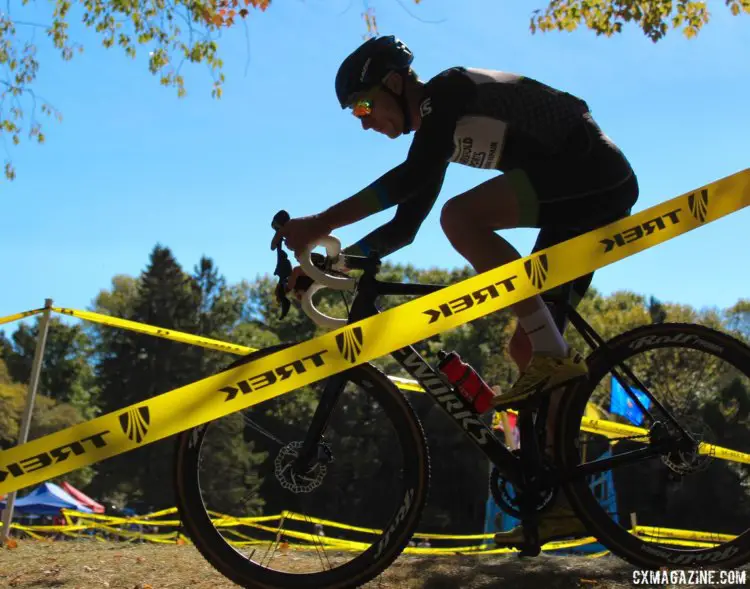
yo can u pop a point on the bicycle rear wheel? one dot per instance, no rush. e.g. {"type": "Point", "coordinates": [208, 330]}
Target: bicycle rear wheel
{"type": "Point", "coordinates": [684, 508]}
{"type": "Point", "coordinates": [337, 525]}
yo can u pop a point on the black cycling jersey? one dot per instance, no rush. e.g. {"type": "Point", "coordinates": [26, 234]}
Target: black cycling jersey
{"type": "Point", "coordinates": [499, 121]}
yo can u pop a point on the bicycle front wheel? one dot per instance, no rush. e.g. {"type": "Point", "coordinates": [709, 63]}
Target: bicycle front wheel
{"type": "Point", "coordinates": [340, 523]}
{"type": "Point", "coordinates": [685, 507]}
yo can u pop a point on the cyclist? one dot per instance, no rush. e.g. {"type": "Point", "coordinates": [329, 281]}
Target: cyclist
{"type": "Point", "coordinates": [561, 174]}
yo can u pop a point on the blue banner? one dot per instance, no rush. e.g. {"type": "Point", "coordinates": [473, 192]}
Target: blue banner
{"type": "Point", "coordinates": [622, 403]}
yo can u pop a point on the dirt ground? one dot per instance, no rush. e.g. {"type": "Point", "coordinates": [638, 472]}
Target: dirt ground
{"type": "Point", "coordinates": [90, 565]}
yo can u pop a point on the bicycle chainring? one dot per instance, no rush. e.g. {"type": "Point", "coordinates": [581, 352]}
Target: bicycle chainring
{"type": "Point", "coordinates": [510, 504]}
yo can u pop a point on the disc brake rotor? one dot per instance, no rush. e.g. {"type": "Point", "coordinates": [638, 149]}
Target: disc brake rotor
{"type": "Point", "coordinates": [290, 478]}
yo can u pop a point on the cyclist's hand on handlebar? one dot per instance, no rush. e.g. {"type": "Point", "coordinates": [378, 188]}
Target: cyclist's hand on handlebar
{"type": "Point", "coordinates": [300, 232]}
{"type": "Point", "coordinates": [299, 282]}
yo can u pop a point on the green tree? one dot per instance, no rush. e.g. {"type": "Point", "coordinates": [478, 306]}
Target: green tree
{"type": "Point", "coordinates": [737, 319]}
{"type": "Point", "coordinates": [12, 401]}
{"type": "Point", "coordinates": [219, 310]}
{"type": "Point", "coordinates": [48, 416]}
{"type": "Point", "coordinates": [608, 17]}
{"type": "Point", "coordinates": [132, 367]}
{"type": "Point", "coordinates": [119, 302]}
{"type": "Point", "coordinates": [656, 310]}
{"type": "Point", "coordinates": [66, 373]}
{"type": "Point", "coordinates": [232, 480]}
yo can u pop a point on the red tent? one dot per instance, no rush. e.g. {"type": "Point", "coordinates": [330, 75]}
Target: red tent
{"type": "Point", "coordinates": [79, 496]}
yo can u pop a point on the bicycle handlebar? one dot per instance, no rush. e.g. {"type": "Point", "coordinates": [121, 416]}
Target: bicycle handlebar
{"type": "Point", "coordinates": [317, 278]}
{"type": "Point", "coordinates": [333, 249]}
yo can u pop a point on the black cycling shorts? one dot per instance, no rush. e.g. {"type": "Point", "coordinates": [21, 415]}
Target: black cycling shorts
{"type": "Point", "coordinates": [584, 186]}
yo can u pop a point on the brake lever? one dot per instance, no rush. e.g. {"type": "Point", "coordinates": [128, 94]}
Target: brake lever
{"type": "Point", "coordinates": [283, 271]}
{"type": "Point", "coordinates": [283, 265]}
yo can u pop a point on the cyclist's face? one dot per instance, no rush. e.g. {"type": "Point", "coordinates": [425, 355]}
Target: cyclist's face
{"type": "Point", "coordinates": [378, 110]}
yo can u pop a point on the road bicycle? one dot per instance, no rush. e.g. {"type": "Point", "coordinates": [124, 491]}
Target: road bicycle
{"type": "Point", "coordinates": [349, 455]}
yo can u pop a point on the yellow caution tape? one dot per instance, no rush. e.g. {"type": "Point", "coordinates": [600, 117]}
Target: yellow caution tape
{"type": "Point", "coordinates": [614, 430]}
{"type": "Point", "coordinates": [17, 316]}
{"type": "Point", "coordinates": [683, 534]}
{"type": "Point", "coordinates": [178, 336]}
{"type": "Point", "coordinates": [168, 511]}
{"type": "Point", "coordinates": [310, 361]}
{"type": "Point", "coordinates": [602, 427]}
{"type": "Point", "coordinates": [687, 538]}
{"type": "Point", "coordinates": [28, 530]}
{"type": "Point", "coordinates": [181, 336]}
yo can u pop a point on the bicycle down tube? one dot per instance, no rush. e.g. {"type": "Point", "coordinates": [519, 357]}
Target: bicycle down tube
{"type": "Point", "coordinates": [442, 394]}
{"type": "Point", "coordinates": [452, 403]}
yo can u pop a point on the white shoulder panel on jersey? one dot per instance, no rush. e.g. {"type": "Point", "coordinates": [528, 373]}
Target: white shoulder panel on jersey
{"type": "Point", "coordinates": [478, 141]}
{"type": "Point", "coordinates": [480, 76]}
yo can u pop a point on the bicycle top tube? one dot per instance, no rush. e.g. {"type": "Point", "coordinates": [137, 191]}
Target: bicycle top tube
{"type": "Point", "coordinates": [368, 284]}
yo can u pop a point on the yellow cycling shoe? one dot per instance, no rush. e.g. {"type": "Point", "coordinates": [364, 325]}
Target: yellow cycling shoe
{"type": "Point", "coordinates": [560, 522]}
{"type": "Point", "coordinates": [543, 373]}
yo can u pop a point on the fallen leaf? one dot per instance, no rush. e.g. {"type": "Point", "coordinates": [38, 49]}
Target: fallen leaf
{"type": "Point", "coordinates": [11, 544]}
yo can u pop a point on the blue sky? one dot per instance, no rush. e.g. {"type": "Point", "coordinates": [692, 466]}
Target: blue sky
{"type": "Point", "coordinates": [131, 165]}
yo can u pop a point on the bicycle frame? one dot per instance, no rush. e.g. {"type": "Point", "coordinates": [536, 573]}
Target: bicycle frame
{"type": "Point", "coordinates": [515, 467]}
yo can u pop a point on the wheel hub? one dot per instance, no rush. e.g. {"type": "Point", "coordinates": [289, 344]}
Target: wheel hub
{"type": "Point", "coordinates": [291, 478]}
{"type": "Point", "coordinates": [689, 460]}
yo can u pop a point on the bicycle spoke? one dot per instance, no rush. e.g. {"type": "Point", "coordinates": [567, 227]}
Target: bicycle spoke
{"type": "Point", "coordinates": [267, 506]}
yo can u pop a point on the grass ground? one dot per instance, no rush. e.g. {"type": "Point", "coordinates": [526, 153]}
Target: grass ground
{"type": "Point", "coordinates": [92, 565]}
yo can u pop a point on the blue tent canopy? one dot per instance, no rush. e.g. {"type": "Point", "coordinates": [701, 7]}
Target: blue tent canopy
{"type": "Point", "coordinates": [47, 499]}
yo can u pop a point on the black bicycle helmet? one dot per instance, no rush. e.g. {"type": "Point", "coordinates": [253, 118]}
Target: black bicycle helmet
{"type": "Point", "coordinates": [368, 64]}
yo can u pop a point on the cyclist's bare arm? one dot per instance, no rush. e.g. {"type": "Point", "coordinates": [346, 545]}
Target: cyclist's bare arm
{"type": "Point", "coordinates": [402, 229]}
{"type": "Point", "coordinates": [372, 199]}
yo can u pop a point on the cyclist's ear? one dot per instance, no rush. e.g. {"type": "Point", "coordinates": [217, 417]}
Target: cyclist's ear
{"type": "Point", "coordinates": [395, 82]}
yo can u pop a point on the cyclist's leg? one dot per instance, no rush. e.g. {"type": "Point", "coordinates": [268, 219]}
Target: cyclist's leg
{"type": "Point", "coordinates": [560, 521]}
{"type": "Point", "coordinates": [519, 347]}
{"type": "Point", "coordinates": [591, 186]}
{"type": "Point", "coordinates": [575, 190]}
{"type": "Point", "coordinates": [574, 197]}
{"type": "Point", "coordinates": [470, 220]}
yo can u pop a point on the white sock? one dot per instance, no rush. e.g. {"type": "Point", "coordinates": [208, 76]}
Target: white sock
{"type": "Point", "coordinates": [543, 333]}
